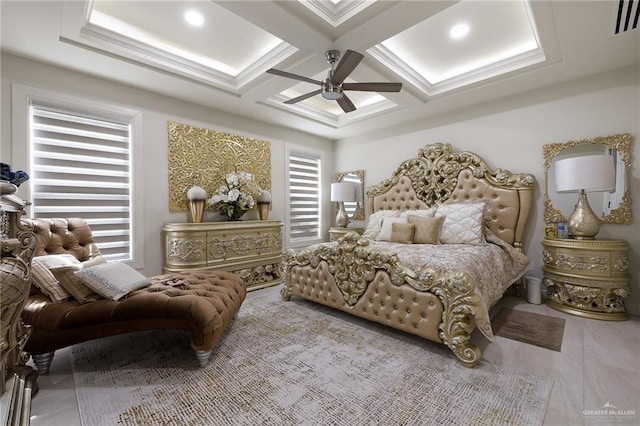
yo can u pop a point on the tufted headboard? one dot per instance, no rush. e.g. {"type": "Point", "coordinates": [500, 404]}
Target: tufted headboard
{"type": "Point", "coordinates": [439, 175]}
{"type": "Point", "coordinates": [59, 236]}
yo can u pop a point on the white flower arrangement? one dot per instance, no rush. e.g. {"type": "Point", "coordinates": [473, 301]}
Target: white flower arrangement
{"type": "Point", "coordinates": [235, 196]}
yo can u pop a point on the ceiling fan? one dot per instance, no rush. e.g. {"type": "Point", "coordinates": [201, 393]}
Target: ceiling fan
{"type": "Point", "coordinates": [333, 86]}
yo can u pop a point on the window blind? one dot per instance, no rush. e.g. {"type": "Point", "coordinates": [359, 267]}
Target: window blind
{"type": "Point", "coordinates": [304, 197]}
{"type": "Point", "coordinates": [81, 167]}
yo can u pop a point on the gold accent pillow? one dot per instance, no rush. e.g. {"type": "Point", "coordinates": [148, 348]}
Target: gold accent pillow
{"type": "Point", "coordinates": [402, 233]}
{"type": "Point", "coordinates": [427, 229]}
{"type": "Point", "coordinates": [68, 280]}
{"type": "Point", "coordinates": [45, 280]}
{"type": "Point", "coordinates": [385, 231]}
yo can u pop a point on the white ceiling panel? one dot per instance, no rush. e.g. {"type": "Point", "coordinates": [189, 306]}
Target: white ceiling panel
{"type": "Point", "coordinates": [496, 31]}
{"type": "Point", "coordinates": [224, 41]}
{"type": "Point", "coordinates": [511, 47]}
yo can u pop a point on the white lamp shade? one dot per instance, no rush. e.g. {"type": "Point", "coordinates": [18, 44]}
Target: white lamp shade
{"type": "Point", "coordinates": [593, 173]}
{"type": "Point", "coordinates": [343, 191]}
{"type": "Point", "coordinates": [196, 193]}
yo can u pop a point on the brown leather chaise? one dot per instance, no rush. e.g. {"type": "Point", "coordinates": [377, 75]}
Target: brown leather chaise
{"type": "Point", "coordinates": [202, 302]}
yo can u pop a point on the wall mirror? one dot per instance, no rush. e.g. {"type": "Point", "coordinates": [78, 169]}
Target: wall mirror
{"type": "Point", "coordinates": [355, 209]}
{"type": "Point", "coordinates": [611, 207]}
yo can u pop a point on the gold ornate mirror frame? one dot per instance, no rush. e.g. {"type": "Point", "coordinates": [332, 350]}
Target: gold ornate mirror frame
{"type": "Point", "coordinates": [622, 144]}
{"type": "Point", "coordinates": [355, 210]}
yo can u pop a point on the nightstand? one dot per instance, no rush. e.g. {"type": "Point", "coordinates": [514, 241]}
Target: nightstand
{"type": "Point", "coordinates": [589, 278]}
{"type": "Point", "coordinates": [336, 233]}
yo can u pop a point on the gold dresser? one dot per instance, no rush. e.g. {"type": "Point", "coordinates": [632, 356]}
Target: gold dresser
{"type": "Point", "coordinates": [252, 249]}
{"type": "Point", "coordinates": [589, 278]}
{"type": "Point", "coordinates": [336, 233]}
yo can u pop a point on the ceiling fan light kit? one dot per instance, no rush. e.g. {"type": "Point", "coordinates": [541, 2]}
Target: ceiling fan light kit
{"type": "Point", "coordinates": [333, 87]}
{"type": "Point", "coordinates": [331, 92]}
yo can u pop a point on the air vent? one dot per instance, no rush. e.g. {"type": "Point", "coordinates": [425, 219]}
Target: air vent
{"type": "Point", "coordinates": [624, 16]}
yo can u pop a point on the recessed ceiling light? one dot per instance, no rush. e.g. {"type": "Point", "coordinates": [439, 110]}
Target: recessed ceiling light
{"type": "Point", "coordinates": [459, 31]}
{"type": "Point", "coordinates": [194, 18]}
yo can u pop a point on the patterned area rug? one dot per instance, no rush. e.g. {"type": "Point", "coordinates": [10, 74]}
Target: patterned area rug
{"type": "Point", "coordinates": [297, 363]}
{"type": "Point", "coordinates": [528, 327]}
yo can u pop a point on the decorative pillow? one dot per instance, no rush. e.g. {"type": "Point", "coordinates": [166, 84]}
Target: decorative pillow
{"type": "Point", "coordinates": [430, 212]}
{"type": "Point", "coordinates": [67, 279]}
{"type": "Point", "coordinates": [113, 280]}
{"type": "Point", "coordinates": [375, 223]}
{"type": "Point", "coordinates": [427, 229]}
{"type": "Point", "coordinates": [94, 261]}
{"type": "Point", "coordinates": [385, 231]}
{"type": "Point", "coordinates": [79, 291]}
{"type": "Point", "coordinates": [45, 280]}
{"type": "Point", "coordinates": [402, 233]}
{"type": "Point", "coordinates": [463, 223]}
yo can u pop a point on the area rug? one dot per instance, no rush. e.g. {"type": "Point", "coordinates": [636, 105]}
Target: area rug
{"type": "Point", "coordinates": [528, 327]}
{"type": "Point", "coordinates": [297, 363]}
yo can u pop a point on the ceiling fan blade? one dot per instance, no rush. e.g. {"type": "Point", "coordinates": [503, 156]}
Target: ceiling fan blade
{"type": "Point", "coordinates": [346, 104]}
{"type": "Point", "coordinates": [373, 87]}
{"type": "Point", "coordinates": [294, 76]}
{"type": "Point", "coordinates": [347, 64]}
{"type": "Point", "coordinates": [303, 97]}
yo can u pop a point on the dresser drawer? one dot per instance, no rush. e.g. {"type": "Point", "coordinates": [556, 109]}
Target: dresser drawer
{"type": "Point", "coordinates": [237, 245]}
{"type": "Point", "coordinates": [586, 259]}
{"type": "Point", "coordinates": [185, 250]}
{"type": "Point", "coordinates": [250, 249]}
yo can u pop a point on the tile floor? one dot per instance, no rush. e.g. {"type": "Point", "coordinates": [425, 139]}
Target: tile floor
{"type": "Point", "coordinates": [599, 364]}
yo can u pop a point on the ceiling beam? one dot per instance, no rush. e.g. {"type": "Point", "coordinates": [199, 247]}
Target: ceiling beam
{"type": "Point", "coordinates": [279, 22]}
{"type": "Point", "coordinates": [390, 22]}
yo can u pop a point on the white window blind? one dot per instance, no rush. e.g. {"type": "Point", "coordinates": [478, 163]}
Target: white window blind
{"type": "Point", "coordinates": [81, 167]}
{"type": "Point", "coordinates": [304, 197]}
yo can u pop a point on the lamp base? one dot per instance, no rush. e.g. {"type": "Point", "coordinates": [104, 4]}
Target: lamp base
{"type": "Point", "coordinates": [263, 210]}
{"type": "Point", "coordinates": [342, 218]}
{"type": "Point", "coordinates": [196, 208]}
{"type": "Point", "coordinates": [583, 222]}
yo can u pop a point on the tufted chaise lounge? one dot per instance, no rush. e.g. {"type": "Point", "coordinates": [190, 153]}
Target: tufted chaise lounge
{"type": "Point", "coordinates": [202, 301]}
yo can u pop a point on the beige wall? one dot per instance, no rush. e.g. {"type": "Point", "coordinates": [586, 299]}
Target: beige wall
{"type": "Point", "coordinates": [156, 111]}
{"type": "Point", "coordinates": [510, 134]}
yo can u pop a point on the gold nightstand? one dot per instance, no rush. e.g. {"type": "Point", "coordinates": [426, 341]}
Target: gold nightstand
{"type": "Point", "coordinates": [336, 233]}
{"type": "Point", "coordinates": [589, 278]}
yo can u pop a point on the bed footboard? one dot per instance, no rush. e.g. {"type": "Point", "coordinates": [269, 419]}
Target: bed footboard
{"type": "Point", "coordinates": [374, 284]}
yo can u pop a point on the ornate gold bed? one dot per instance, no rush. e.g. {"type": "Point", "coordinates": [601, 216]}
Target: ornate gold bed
{"type": "Point", "coordinates": [432, 297]}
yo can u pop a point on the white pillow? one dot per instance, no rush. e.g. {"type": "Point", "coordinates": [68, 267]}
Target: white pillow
{"type": "Point", "coordinates": [430, 212]}
{"type": "Point", "coordinates": [68, 280]}
{"type": "Point", "coordinates": [387, 227]}
{"type": "Point", "coordinates": [44, 279]}
{"type": "Point", "coordinates": [375, 223]}
{"type": "Point", "coordinates": [463, 223]}
{"type": "Point", "coordinates": [112, 280]}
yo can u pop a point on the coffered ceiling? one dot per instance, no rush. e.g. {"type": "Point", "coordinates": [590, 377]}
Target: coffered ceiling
{"type": "Point", "coordinates": [446, 54]}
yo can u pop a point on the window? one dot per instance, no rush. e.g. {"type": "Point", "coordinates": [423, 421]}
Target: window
{"type": "Point", "coordinates": [81, 166]}
{"type": "Point", "coordinates": [304, 197]}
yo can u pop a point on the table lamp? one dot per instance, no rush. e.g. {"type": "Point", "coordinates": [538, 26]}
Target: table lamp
{"type": "Point", "coordinates": [196, 197]}
{"type": "Point", "coordinates": [589, 173]}
{"type": "Point", "coordinates": [341, 192]}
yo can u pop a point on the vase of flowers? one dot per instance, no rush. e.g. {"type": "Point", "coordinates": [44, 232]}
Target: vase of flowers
{"type": "Point", "coordinates": [235, 196]}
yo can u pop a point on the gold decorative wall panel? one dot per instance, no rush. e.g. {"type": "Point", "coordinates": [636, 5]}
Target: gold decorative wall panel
{"type": "Point", "coordinates": [209, 155]}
